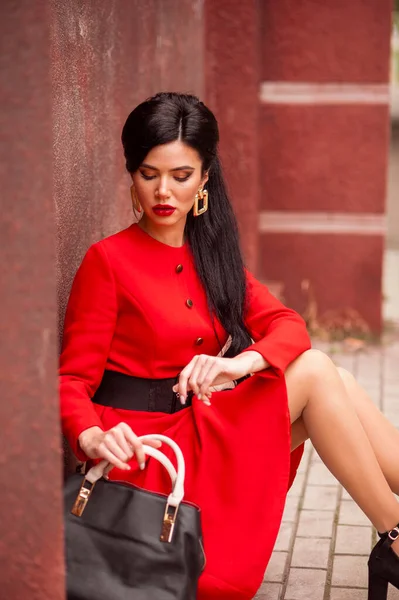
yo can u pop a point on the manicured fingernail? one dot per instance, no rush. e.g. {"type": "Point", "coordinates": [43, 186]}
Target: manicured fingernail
{"type": "Point", "coordinates": [142, 465]}
{"type": "Point", "coordinates": [207, 403]}
{"type": "Point", "coordinates": [199, 396]}
{"type": "Point", "coordinates": [183, 399]}
{"type": "Point", "coordinates": [128, 468]}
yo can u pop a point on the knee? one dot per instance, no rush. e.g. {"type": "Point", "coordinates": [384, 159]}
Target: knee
{"type": "Point", "coordinates": [346, 376]}
{"type": "Point", "coordinates": [314, 364]}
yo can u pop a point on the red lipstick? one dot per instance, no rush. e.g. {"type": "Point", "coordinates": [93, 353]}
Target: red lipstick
{"type": "Point", "coordinates": [163, 210]}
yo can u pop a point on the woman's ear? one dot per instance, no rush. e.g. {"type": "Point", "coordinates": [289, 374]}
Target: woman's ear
{"type": "Point", "coordinates": [205, 179]}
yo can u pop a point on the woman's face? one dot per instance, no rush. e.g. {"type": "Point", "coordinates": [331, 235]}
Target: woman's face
{"type": "Point", "coordinates": [167, 181]}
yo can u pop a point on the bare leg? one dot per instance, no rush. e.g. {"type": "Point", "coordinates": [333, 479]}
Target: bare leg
{"type": "Point", "coordinates": [299, 434]}
{"type": "Point", "coordinates": [317, 393]}
{"type": "Point", "coordinates": [383, 436]}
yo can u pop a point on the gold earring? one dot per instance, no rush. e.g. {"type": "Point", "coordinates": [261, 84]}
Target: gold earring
{"type": "Point", "coordinates": [135, 200]}
{"type": "Point", "coordinates": [201, 196]}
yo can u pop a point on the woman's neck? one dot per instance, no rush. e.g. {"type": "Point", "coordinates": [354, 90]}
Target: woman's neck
{"type": "Point", "coordinates": [171, 235]}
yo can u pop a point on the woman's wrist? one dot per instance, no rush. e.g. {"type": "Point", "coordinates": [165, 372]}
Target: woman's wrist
{"type": "Point", "coordinates": [256, 362]}
{"type": "Point", "coordinates": [86, 437]}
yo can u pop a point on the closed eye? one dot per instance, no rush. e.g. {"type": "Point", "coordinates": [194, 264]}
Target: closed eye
{"type": "Point", "coordinates": [179, 175]}
{"type": "Point", "coordinates": [147, 177]}
{"type": "Point", "coordinates": [182, 179]}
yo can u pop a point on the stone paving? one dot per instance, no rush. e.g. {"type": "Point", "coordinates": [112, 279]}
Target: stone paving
{"type": "Point", "coordinates": [324, 540]}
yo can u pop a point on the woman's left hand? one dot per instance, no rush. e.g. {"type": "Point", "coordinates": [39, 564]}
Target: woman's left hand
{"type": "Point", "coordinates": [204, 371]}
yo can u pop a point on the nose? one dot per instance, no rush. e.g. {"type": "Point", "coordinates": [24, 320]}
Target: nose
{"type": "Point", "coordinates": [163, 192]}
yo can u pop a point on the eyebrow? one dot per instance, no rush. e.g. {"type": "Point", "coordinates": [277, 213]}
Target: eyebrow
{"type": "Point", "coordinates": [183, 168]}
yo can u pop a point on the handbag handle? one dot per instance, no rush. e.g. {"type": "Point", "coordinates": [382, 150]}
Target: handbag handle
{"type": "Point", "coordinates": [177, 494]}
{"type": "Point", "coordinates": [102, 468]}
{"type": "Point", "coordinates": [174, 498]}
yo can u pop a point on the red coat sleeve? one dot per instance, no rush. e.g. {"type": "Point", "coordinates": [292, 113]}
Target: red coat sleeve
{"type": "Point", "coordinates": [89, 326]}
{"type": "Point", "coordinates": [279, 333]}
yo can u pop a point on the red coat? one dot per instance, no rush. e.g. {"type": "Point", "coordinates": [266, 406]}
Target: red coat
{"type": "Point", "coordinates": [127, 312]}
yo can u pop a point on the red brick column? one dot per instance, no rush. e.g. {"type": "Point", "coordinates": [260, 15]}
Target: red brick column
{"type": "Point", "coordinates": [324, 130]}
{"type": "Point", "coordinates": [31, 545]}
{"type": "Point", "coordinates": [232, 80]}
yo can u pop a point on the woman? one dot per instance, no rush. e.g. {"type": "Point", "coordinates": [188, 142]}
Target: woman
{"type": "Point", "coordinates": [151, 309]}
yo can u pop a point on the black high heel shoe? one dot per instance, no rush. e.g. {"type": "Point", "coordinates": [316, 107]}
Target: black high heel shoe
{"type": "Point", "coordinates": [383, 566]}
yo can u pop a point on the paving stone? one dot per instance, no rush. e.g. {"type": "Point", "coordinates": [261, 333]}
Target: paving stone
{"type": "Point", "coordinates": [345, 495]}
{"type": "Point", "coordinates": [284, 537]}
{"type": "Point", "coordinates": [308, 447]}
{"type": "Point", "coordinates": [350, 514]}
{"type": "Point", "coordinates": [391, 387]}
{"type": "Point", "coordinates": [304, 464]}
{"type": "Point", "coordinates": [353, 540]}
{"type": "Point", "coordinates": [304, 584]}
{"type": "Point", "coordinates": [392, 414]}
{"type": "Point", "coordinates": [320, 475]}
{"type": "Point", "coordinates": [350, 571]}
{"type": "Point", "coordinates": [315, 458]}
{"type": "Point", "coordinates": [311, 553]}
{"type": "Point", "coordinates": [369, 375]}
{"type": "Point", "coordinates": [268, 591]}
{"type": "Point", "coordinates": [391, 375]}
{"type": "Point", "coordinates": [393, 593]}
{"type": "Point", "coordinates": [320, 497]}
{"type": "Point", "coordinates": [372, 391]}
{"type": "Point", "coordinates": [315, 523]}
{"type": "Point", "coordinates": [276, 566]}
{"type": "Point", "coordinates": [291, 509]}
{"type": "Point", "coordinates": [345, 361]}
{"type": "Point", "coordinates": [391, 402]}
{"type": "Point", "coordinates": [296, 489]}
{"type": "Point", "coordinates": [348, 594]}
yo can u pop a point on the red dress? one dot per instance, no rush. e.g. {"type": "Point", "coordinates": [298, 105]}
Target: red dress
{"type": "Point", "coordinates": [128, 312]}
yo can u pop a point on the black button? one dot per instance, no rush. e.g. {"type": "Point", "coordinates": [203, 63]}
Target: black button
{"type": "Point", "coordinates": [189, 303]}
{"type": "Point", "coordinates": [199, 341]}
{"type": "Point", "coordinates": [179, 268]}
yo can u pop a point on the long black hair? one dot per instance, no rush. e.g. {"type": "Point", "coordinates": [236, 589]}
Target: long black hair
{"type": "Point", "coordinates": [213, 236]}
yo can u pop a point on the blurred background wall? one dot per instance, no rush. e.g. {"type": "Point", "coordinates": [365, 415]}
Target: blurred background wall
{"type": "Point", "coordinates": [391, 259]}
{"type": "Point", "coordinates": [325, 131]}
{"type": "Point", "coordinates": [302, 96]}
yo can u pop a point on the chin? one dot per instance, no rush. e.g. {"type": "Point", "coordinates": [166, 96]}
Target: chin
{"type": "Point", "coordinates": [167, 221]}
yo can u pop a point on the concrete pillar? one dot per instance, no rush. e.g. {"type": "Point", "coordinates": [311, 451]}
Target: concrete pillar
{"type": "Point", "coordinates": [232, 77]}
{"type": "Point", "coordinates": [324, 131]}
{"type": "Point", "coordinates": [31, 545]}
{"type": "Point", "coordinates": [108, 56]}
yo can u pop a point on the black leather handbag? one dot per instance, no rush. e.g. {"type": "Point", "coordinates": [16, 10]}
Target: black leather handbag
{"type": "Point", "coordinates": [125, 543]}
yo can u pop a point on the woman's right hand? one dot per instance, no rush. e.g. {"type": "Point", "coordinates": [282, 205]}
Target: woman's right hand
{"type": "Point", "coordinates": [117, 445]}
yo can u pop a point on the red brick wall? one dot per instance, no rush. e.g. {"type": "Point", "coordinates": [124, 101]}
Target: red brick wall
{"type": "Point", "coordinates": [316, 41]}
{"type": "Point", "coordinates": [325, 149]}
{"type": "Point", "coordinates": [232, 78]}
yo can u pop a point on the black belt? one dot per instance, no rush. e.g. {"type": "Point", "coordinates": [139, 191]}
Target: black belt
{"type": "Point", "coordinates": [136, 393]}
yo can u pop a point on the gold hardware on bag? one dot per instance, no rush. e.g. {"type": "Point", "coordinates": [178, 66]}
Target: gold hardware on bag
{"type": "Point", "coordinates": [169, 521]}
{"type": "Point", "coordinates": [82, 498]}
